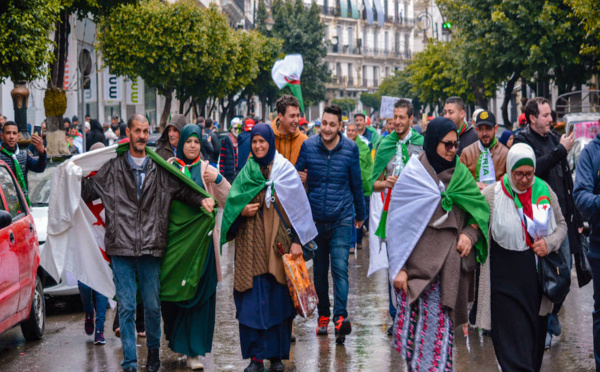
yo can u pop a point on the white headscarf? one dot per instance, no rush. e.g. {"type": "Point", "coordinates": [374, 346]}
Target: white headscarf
{"type": "Point", "coordinates": [516, 154]}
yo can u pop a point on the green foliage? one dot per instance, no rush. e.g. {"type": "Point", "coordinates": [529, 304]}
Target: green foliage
{"type": "Point", "coordinates": [24, 40]}
{"type": "Point", "coordinates": [263, 84]}
{"type": "Point", "coordinates": [346, 104]}
{"type": "Point", "coordinates": [372, 100]}
{"type": "Point", "coordinates": [166, 44]}
{"type": "Point", "coordinates": [587, 12]}
{"type": "Point", "coordinates": [302, 32]}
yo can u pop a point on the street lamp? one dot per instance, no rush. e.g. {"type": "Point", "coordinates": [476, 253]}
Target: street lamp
{"type": "Point", "coordinates": [269, 22]}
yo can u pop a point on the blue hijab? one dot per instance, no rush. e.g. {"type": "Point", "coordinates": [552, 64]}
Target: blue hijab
{"type": "Point", "coordinates": [265, 131]}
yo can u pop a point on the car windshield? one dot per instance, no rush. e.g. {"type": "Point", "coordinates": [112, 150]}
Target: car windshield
{"type": "Point", "coordinates": [39, 185]}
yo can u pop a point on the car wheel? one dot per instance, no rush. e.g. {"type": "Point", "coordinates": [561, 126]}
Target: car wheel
{"type": "Point", "coordinates": [33, 328]}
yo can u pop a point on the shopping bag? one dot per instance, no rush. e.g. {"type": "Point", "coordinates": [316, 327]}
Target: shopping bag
{"type": "Point", "coordinates": [301, 287]}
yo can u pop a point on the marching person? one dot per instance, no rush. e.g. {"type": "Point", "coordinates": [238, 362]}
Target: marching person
{"type": "Point", "coordinates": [189, 325]}
{"type": "Point", "coordinates": [228, 160]}
{"type": "Point", "coordinates": [288, 138]}
{"type": "Point", "coordinates": [552, 166]}
{"type": "Point", "coordinates": [19, 161]}
{"type": "Point", "coordinates": [136, 193]}
{"type": "Point", "coordinates": [587, 199]}
{"type": "Point", "coordinates": [267, 212]}
{"type": "Point", "coordinates": [166, 146]}
{"type": "Point", "coordinates": [486, 158]}
{"type": "Point", "coordinates": [509, 287]}
{"type": "Point", "coordinates": [335, 193]}
{"type": "Point", "coordinates": [454, 109]}
{"type": "Point", "coordinates": [430, 262]}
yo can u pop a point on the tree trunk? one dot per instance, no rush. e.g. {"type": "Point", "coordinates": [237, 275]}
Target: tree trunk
{"type": "Point", "coordinates": [507, 94]}
{"type": "Point", "coordinates": [479, 98]}
{"type": "Point", "coordinates": [181, 106]}
{"type": "Point", "coordinates": [55, 132]}
{"type": "Point", "coordinates": [168, 94]}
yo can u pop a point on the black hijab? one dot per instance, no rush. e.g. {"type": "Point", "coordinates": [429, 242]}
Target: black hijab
{"type": "Point", "coordinates": [265, 131]}
{"type": "Point", "coordinates": [436, 131]}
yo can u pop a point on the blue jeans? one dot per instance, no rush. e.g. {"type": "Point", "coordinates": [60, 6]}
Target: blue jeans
{"type": "Point", "coordinates": [87, 297]}
{"type": "Point", "coordinates": [333, 240]}
{"type": "Point", "coordinates": [359, 232]}
{"type": "Point", "coordinates": [147, 269]}
{"type": "Point", "coordinates": [594, 258]}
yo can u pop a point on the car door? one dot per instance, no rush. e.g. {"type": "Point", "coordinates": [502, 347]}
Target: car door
{"type": "Point", "coordinates": [9, 259]}
{"type": "Point", "coordinates": [22, 241]}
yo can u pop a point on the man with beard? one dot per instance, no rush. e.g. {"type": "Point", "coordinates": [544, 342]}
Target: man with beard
{"type": "Point", "coordinates": [136, 192]}
{"type": "Point", "coordinates": [455, 111]}
{"type": "Point", "coordinates": [166, 146]}
{"type": "Point", "coordinates": [331, 167]}
{"type": "Point", "coordinates": [486, 158]}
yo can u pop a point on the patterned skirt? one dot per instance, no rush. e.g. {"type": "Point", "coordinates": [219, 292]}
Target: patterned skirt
{"type": "Point", "coordinates": [423, 331]}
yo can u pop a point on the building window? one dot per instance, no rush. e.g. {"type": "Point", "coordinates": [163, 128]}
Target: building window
{"type": "Point", "coordinates": [375, 43]}
{"type": "Point", "coordinates": [364, 77]}
{"type": "Point", "coordinates": [338, 72]}
{"type": "Point", "coordinates": [385, 43]}
{"type": "Point", "coordinates": [350, 75]}
{"type": "Point", "coordinates": [350, 40]}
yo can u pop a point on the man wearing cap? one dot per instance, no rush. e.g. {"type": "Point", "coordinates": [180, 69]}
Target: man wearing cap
{"type": "Point", "coordinates": [166, 146]}
{"type": "Point", "coordinates": [228, 162]}
{"type": "Point", "coordinates": [454, 109]}
{"type": "Point", "coordinates": [244, 142]}
{"type": "Point", "coordinates": [486, 158]}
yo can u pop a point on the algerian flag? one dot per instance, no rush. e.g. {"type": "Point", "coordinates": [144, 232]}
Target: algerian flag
{"type": "Point", "coordinates": [76, 230]}
{"type": "Point", "coordinates": [287, 72]}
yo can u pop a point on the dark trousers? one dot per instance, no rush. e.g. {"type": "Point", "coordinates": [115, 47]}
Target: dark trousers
{"type": "Point", "coordinates": [594, 258]}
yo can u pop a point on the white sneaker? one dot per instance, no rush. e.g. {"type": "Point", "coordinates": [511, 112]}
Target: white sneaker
{"type": "Point", "coordinates": [194, 363]}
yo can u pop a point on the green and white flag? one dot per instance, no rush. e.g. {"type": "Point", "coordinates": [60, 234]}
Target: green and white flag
{"type": "Point", "coordinates": [287, 72]}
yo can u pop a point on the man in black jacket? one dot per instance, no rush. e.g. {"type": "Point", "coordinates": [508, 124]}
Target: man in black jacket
{"type": "Point", "coordinates": [137, 193]}
{"type": "Point", "coordinates": [454, 109]}
{"type": "Point", "coordinates": [552, 166]}
{"type": "Point", "coordinates": [214, 140]}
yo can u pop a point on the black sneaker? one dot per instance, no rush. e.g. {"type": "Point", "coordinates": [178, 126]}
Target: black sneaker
{"type": "Point", "coordinates": [390, 331]}
{"type": "Point", "coordinates": [322, 325]}
{"type": "Point", "coordinates": [343, 327]}
{"type": "Point", "coordinates": [153, 363]}
{"type": "Point", "coordinates": [276, 365]}
{"type": "Point", "coordinates": [129, 369]}
{"type": "Point", "coordinates": [89, 324]}
{"type": "Point", "coordinates": [99, 338]}
{"type": "Point", "coordinates": [255, 366]}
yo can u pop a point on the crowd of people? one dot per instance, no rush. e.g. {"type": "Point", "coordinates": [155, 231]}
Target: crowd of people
{"type": "Point", "coordinates": [469, 220]}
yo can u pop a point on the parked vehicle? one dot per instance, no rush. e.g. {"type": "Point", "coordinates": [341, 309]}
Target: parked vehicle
{"type": "Point", "coordinates": [21, 291]}
{"type": "Point", "coordinates": [39, 184]}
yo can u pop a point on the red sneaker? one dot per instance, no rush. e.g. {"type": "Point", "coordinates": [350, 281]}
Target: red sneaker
{"type": "Point", "coordinates": [322, 326]}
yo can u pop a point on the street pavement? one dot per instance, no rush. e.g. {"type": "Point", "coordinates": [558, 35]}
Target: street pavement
{"type": "Point", "coordinates": [65, 346]}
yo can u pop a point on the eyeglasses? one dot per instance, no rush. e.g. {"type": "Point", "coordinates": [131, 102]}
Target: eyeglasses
{"type": "Point", "coordinates": [451, 145]}
{"type": "Point", "coordinates": [519, 175]}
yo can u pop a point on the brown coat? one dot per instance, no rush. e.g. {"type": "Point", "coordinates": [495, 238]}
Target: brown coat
{"type": "Point", "coordinates": [470, 156]}
{"type": "Point", "coordinates": [435, 254]}
{"type": "Point", "coordinates": [288, 145]}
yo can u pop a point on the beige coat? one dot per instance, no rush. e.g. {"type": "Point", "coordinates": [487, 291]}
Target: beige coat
{"type": "Point", "coordinates": [553, 242]}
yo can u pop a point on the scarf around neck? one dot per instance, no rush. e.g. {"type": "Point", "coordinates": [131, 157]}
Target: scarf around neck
{"type": "Point", "coordinates": [389, 147]}
{"type": "Point", "coordinates": [18, 170]}
{"type": "Point", "coordinates": [485, 164]}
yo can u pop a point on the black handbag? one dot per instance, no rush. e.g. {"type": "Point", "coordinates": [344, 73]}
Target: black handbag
{"type": "Point", "coordinates": [582, 265]}
{"type": "Point", "coordinates": [308, 250]}
{"type": "Point", "coordinates": [555, 276]}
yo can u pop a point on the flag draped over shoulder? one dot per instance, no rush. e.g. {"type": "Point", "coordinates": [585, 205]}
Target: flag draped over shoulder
{"type": "Point", "coordinates": [378, 253]}
{"type": "Point", "coordinates": [287, 72]}
{"type": "Point", "coordinates": [283, 180]}
{"type": "Point", "coordinates": [76, 229]}
{"type": "Point", "coordinates": [366, 165]}
{"type": "Point", "coordinates": [388, 148]}
{"type": "Point", "coordinates": [416, 196]}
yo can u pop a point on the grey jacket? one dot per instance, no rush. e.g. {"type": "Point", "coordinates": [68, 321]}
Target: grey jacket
{"type": "Point", "coordinates": [136, 227]}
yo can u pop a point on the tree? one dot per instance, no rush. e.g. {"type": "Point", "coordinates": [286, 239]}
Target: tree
{"type": "Point", "coordinates": [588, 12]}
{"type": "Point", "coordinates": [372, 100]}
{"type": "Point", "coordinates": [302, 32]}
{"type": "Point", "coordinates": [263, 86]}
{"type": "Point", "coordinates": [346, 104]}
{"type": "Point", "coordinates": [165, 44]}
{"type": "Point", "coordinates": [504, 40]}
{"type": "Point", "coordinates": [24, 41]}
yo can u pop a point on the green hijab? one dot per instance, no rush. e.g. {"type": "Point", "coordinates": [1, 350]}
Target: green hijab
{"type": "Point", "coordinates": [190, 167]}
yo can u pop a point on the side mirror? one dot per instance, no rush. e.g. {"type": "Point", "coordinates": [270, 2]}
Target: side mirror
{"type": "Point", "coordinates": [5, 219]}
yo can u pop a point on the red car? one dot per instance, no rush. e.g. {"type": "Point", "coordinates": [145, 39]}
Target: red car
{"type": "Point", "coordinates": [21, 290]}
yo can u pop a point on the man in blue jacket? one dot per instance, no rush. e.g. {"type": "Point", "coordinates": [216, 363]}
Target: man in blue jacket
{"type": "Point", "coordinates": [335, 194]}
{"type": "Point", "coordinates": [587, 198]}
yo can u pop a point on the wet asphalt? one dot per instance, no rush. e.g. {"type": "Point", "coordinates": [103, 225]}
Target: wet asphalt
{"type": "Point", "coordinates": [65, 346]}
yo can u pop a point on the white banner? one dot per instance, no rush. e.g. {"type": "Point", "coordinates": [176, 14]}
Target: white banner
{"type": "Point", "coordinates": [134, 91]}
{"type": "Point", "coordinates": [113, 86]}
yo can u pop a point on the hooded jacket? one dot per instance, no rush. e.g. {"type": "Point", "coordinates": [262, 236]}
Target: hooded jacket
{"type": "Point", "coordinates": [163, 147]}
{"type": "Point", "coordinates": [95, 135]}
{"type": "Point", "coordinates": [288, 145]}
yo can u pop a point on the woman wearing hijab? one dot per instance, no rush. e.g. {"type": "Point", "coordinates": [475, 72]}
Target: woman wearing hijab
{"type": "Point", "coordinates": [266, 196]}
{"type": "Point", "coordinates": [189, 325]}
{"type": "Point", "coordinates": [438, 215]}
{"type": "Point", "coordinates": [510, 295]}
{"type": "Point", "coordinates": [506, 138]}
